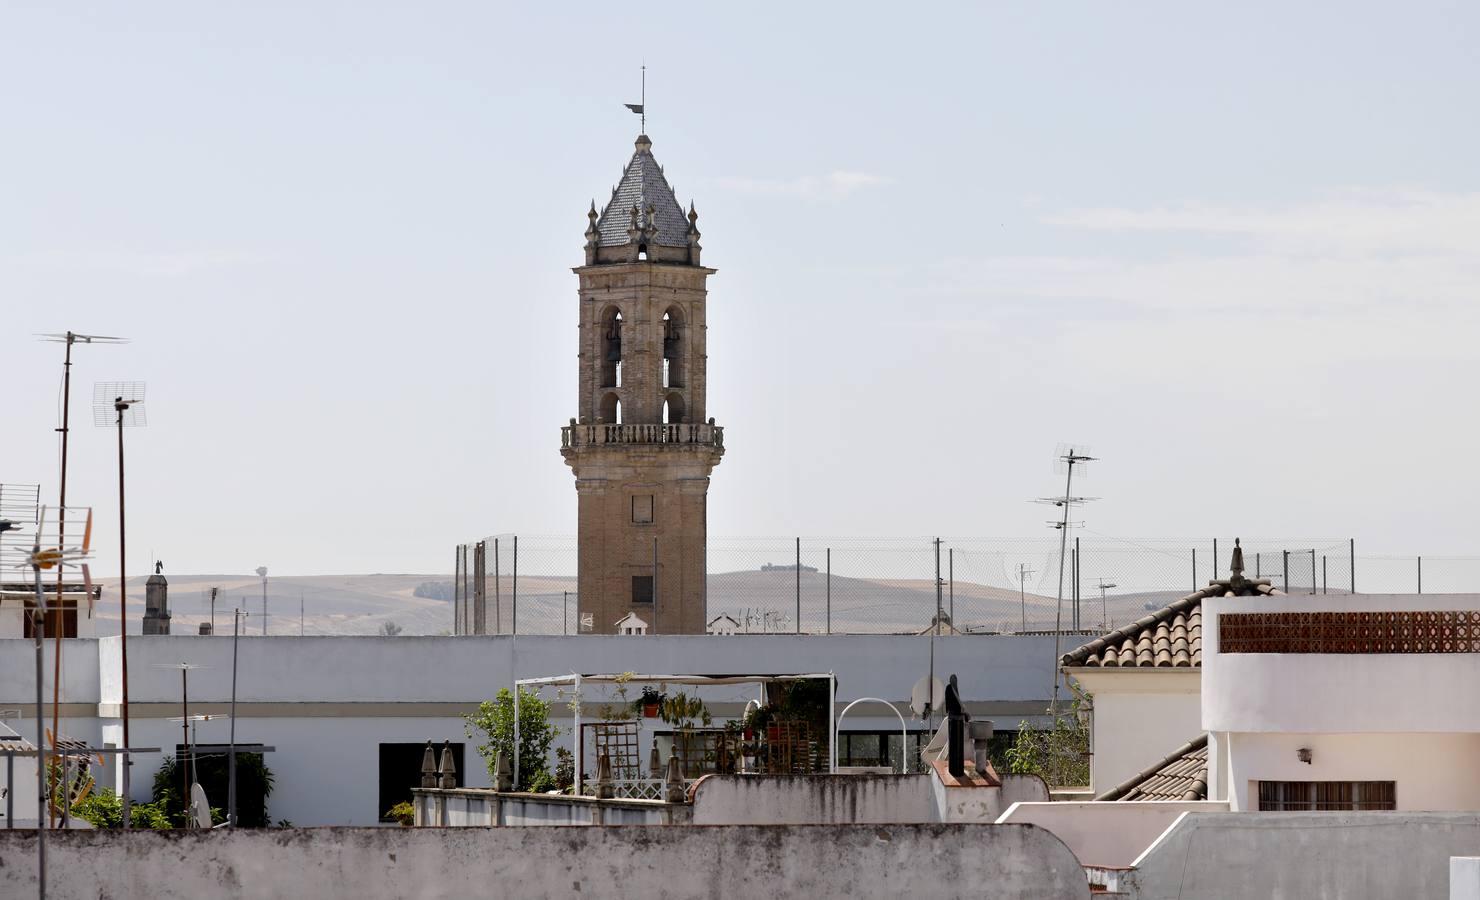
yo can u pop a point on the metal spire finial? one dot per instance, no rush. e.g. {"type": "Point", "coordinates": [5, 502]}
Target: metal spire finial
{"type": "Point", "coordinates": [641, 108]}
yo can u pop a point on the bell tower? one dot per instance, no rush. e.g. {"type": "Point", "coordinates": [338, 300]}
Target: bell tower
{"type": "Point", "coordinates": [642, 447]}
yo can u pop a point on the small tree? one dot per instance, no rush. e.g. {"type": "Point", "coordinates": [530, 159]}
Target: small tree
{"type": "Point", "coordinates": [1060, 755]}
{"type": "Point", "coordinates": [390, 629]}
{"type": "Point", "coordinates": [253, 785]}
{"type": "Point", "coordinates": [493, 724]}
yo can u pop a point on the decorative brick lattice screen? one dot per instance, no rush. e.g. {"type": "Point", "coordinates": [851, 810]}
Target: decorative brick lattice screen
{"type": "Point", "coordinates": [1442, 631]}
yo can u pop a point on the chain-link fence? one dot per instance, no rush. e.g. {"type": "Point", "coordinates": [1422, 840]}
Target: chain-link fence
{"type": "Point", "coordinates": [526, 584]}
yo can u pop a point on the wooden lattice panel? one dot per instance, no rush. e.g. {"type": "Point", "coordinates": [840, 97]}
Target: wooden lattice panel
{"type": "Point", "coordinates": [1439, 631]}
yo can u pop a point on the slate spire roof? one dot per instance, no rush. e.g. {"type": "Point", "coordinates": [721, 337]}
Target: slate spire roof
{"type": "Point", "coordinates": [644, 188]}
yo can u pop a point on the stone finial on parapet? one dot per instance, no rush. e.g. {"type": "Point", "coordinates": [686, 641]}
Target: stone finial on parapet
{"type": "Point", "coordinates": [503, 775]}
{"type": "Point", "coordinates": [448, 771]}
{"type": "Point", "coordinates": [429, 767]}
{"type": "Point", "coordinates": [655, 761]}
{"type": "Point", "coordinates": [1236, 565]}
{"type": "Point", "coordinates": [673, 790]}
{"type": "Point", "coordinates": [605, 789]}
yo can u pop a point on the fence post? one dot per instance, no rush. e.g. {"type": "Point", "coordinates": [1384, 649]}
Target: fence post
{"type": "Point", "coordinates": [1312, 570]}
{"type": "Point", "coordinates": [1215, 560]}
{"type": "Point", "coordinates": [498, 600]}
{"type": "Point", "coordinates": [1074, 570]}
{"type": "Point", "coordinates": [565, 612]}
{"type": "Point", "coordinates": [1194, 568]}
{"type": "Point", "coordinates": [1420, 574]}
{"type": "Point", "coordinates": [514, 606]}
{"type": "Point", "coordinates": [1286, 562]}
{"type": "Point", "coordinates": [951, 579]}
{"type": "Point", "coordinates": [1352, 546]}
{"type": "Point", "coordinates": [829, 590]}
{"type": "Point", "coordinates": [799, 586]}
{"type": "Point", "coordinates": [1324, 585]}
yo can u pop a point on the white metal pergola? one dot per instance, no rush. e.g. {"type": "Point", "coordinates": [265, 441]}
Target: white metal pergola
{"type": "Point", "coordinates": [577, 680]}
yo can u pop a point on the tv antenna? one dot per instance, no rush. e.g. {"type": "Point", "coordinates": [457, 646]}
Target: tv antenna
{"type": "Point", "coordinates": [117, 403]}
{"type": "Point", "coordinates": [1104, 607]}
{"type": "Point", "coordinates": [1023, 573]}
{"type": "Point", "coordinates": [1067, 458]}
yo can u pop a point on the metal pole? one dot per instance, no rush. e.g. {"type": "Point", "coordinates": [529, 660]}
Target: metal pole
{"type": "Point", "coordinates": [799, 586]}
{"type": "Point", "coordinates": [236, 620]}
{"type": "Point", "coordinates": [39, 633]}
{"type": "Point", "coordinates": [1215, 558]}
{"type": "Point", "coordinates": [300, 612]}
{"type": "Point", "coordinates": [9, 794]}
{"type": "Point", "coordinates": [930, 681]}
{"type": "Point", "coordinates": [123, 621]}
{"type": "Point", "coordinates": [456, 590]}
{"type": "Point", "coordinates": [184, 759]}
{"type": "Point", "coordinates": [1286, 571]}
{"type": "Point", "coordinates": [1076, 585]}
{"type": "Point", "coordinates": [498, 601]}
{"type": "Point", "coordinates": [56, 681]}
{"type": "Point", "coordinates": [1323, 573]}
{"type": "Point", "coordinates": [1352, 548]}
{"type": "Point", "coordinates": [1058, 623]}
{"type": "Point", "coordinates": [514, 610]}
{"type": "Point", "coordinates": [1194, 568]}
{"type": "Point", "coordinates": [264, 605]}
{"type": "Point", "coordinates": [1022, 597]}
{"type": "Point", "coordinates": [951, 575]}
{"type": "Point", "coordinates": [565, 612]}
{"type": "Point", "coordinates": [1420, 574]}
{"type": "Point", "coordinates": [1312, 570]}
{"type": "Point", "coordinates": [829, 590]}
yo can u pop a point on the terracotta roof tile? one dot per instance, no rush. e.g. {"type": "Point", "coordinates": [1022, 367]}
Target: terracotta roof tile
{"type": "Point", "coordinates": [1181, 776]}
{"type": "Point", "coordinates": [1170, 638]}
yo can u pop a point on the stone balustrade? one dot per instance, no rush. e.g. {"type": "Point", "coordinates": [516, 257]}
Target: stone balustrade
{"type": "Point", "coordinates": [587, 435]}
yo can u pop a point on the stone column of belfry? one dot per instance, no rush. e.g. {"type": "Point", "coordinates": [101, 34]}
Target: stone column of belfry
{"type": "Point", "coordinates": [642, 446]}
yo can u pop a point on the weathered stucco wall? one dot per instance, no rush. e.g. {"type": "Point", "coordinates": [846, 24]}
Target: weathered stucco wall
{"type": "Point", "coordinates": [1306, 856]}
{"type": "Point", "coordinates": [814, 799]}
{"type": "Point", "coordinates": [1105, 834]}
{"type": "Point", "coordinates": [773, 862]}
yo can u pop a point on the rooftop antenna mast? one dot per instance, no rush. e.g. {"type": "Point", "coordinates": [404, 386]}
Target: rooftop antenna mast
{"type": "Point", "coordinates": [116, 403]}
{"type": "Point", "coordinates": [1067, 458]}
{"type": "Point", "coordinates": [68, 338]}
{"type": "Point", "coordinates": [1023, 573]}
{"type": "Point", "coordinates": [1104, 604]}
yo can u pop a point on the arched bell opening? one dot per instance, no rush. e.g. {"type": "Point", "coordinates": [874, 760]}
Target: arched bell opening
{"type": "Point", "coordinates": [673, 409]}
{"type": "Point", "coordinates": [674, 336]}
{"type": "Point", "coordinates": [611, 347]}
{"type": "Point", "coordinates": [611, 409]}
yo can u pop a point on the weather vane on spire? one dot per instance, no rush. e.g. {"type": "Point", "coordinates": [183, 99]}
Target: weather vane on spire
{"type": "Point", "coordinates": [641, 108]}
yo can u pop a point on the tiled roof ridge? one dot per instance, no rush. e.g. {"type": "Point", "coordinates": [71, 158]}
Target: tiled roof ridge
{"type": "Point", "coordinates": [1135, 781]}
{"type": "Point", "coordinates": [1165, 614]}
{"type": "Point", "coordinates": [1190, 605]}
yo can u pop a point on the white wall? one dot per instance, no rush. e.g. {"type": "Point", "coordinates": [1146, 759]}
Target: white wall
{"type": "Point", "coordinates": [1338, 693]}
{"type": "Point", "coordinates": [1140, 716]}
{"type": "Point", "coordinates": [326, 703]}
{"type": "Point", "coordinates": [1434, 772]}
{"type": "Point", "coordinates": [1105, 834]}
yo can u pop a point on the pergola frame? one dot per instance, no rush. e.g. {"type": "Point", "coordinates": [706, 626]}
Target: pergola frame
{"type": "Point", "coordinates": [576, 681]}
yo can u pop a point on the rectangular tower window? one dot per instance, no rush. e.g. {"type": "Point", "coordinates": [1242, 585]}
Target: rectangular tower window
{"type": "Point", "coordinates": [642, 589]}
{"type": "Point", "coordinates": [1326, 795]}
{"type": "Point", "coordinates": [642, 510]}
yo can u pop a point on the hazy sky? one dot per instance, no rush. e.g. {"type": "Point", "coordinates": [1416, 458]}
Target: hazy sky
{"type": "Point", "coordinates": [1234, 247]}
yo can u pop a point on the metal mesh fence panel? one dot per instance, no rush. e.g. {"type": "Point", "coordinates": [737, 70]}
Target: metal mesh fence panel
{"type": "Point", "coordinates": [526, 584]}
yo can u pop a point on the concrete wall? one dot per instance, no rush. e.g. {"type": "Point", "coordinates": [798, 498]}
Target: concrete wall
{"type": "Point", "coordinates": [1434, 772]}
{"type": "Point", "coordinates": [814, 799]}
{"type": "Point", "coordinates": [327, 703]}
{"type": "Point", "coordinates": [1140, 716]}
{"type": "Point", "coordinates": [1332, 692]}
{"type": "Point", "coordinates": [1105, 834]}
{"type": "Point", "coordinates": [463, 808]}
{"type": "Point", "coordinates": [1306, 856]}
{"type": "Point", "coordinates": [772, 862]}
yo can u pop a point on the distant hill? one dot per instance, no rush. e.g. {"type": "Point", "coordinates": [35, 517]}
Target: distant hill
{"type": "Point", "coordinates": [421, 604]}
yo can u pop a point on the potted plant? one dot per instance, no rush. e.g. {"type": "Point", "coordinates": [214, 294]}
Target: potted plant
{"type": "Point", "coordinates": [651, 702]}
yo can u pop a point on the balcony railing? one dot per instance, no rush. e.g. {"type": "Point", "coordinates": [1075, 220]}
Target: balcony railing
{"type": "Point", "coordinates": [586, 435]}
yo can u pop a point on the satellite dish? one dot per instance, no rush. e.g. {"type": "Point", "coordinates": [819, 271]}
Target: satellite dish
{"type": "Point", "coordinates": [918, 695]}
{"type": "Point", "coordinates": [200, 810]}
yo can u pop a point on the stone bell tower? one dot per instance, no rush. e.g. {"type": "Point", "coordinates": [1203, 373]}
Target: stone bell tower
{"type": "Point", "coordinates": [642, 447]}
